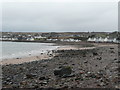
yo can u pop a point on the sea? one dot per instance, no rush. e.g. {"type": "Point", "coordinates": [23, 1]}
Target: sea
{"type": "Point", "coordinates": [23, 49]}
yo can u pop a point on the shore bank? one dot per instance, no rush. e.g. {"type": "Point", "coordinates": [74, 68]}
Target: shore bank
{"type": "Point", "coordinates": [90, 67]}
{"type": "Point", "coordinates": [47, 55]}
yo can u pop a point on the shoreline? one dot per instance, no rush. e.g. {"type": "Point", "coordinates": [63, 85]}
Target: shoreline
{"type": "Point", "coordinates": [91, 68]}
{"type": "Point", "coordinates": [30, 56]}
{"type": "Point", "coordinates": [19, 60]}
{"type": "Point", "coordinates": [47, 55]}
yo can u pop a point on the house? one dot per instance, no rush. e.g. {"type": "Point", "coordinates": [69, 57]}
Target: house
{"type": "Point", "coordinates": [92, 39]}
{"type": "Point", "coordinates": [38, 37]}
{"type": "Point", "coordinates": [70, 40]}
{"type": "Point", "coordinates": [107, 39]}
{"type": "Point", "coordinates": [30, 39]}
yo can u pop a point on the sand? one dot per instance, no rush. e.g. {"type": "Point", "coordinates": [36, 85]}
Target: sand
{"type": "Point", "coordinates": [40, 57]}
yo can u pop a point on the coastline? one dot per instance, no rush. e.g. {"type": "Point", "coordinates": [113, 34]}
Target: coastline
{"type": "Point", "coordinates": [37, 53]}
{"type": "Point", "coordinates": [91, 68]}
{"type": "Point", "coordinates": [49, 54]}
{"type": "Point", "coordinates": [25, 59]}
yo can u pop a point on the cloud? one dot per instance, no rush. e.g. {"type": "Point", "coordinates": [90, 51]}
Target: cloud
{"type": "Point", "coordinates": [57, 17]}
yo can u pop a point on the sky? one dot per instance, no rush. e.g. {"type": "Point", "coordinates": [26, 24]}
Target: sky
{"type": "Point", "coordinates": [59, 16]}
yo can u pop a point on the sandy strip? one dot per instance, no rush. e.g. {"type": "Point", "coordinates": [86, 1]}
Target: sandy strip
{"type": "Point", "coordinates": [25, 59]}
{"type": "Point", "coordinates": [73, 48]}
{"type": "Point", "coordinates": [40, 57]}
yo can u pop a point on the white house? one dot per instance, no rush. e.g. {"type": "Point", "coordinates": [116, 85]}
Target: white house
{"type": "Point", "coordinates": [30, 39]}
{"type": "Point", "coordinates": [102, 40]}
{"type": "Point", "coordinates": [38, 37]}
{"type": "Point", "coordinates": [92, 39]}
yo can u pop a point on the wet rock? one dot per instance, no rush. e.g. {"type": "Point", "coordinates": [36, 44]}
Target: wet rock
{"type": "Point", "coordinates": [4, 82]}
{"type": "Point", "coordinates": [100, 58]}
{"type": "Point", "coordinates": [94, 53]}
{"type": "Point", "coordinates": [79, 78]}
{"type": "Point", "coordinates": [117, 86]}
{"type": "Point", "coordinates": [118, 69]}
{"type": "Point", "coordinates": [111, 48]}
{"type": "Point", "coordinates": [64, 88]}
{"type": "Point", "coordinates": [17, 58]}
{"type": "Point", "coordinates": [8, 79]}
{"type": "Point", "coordinates": [65, 63]}
{"type": "Point", "coordinates": [115, 59]}
{"type": "Point", "coordinates": [85, 61]}
{"type": "Point", "coordinates": [35, 86]}
{"type": "Point", "coordinates": [43, 83]}
{"type": "Point", "coordinates": [73, 64]}
{"type": "Point", "coordinates": [51, 55]}
{"type": "Point", "coordinates": [30, 76]}
{"type": "Point", "coordinates": [63, 71]}
{"type": "Point", "coordinates": [91, 75]}
{"type": "Point", "coordinates": [112, 52]}
{"type": "Point", "coordinates": [71, 75]}
{"type": "Point", "coordinates": [102, 84]}
{"type": "Point", "coordinates": [42, 78]}
{"type": "Point", "coordinates": [23, 83]}
{"type": "Point", "coordinates": [101, 72]}
{"type": "Point", "coordinates": [15, 86]}
{"type": "Point", "coordinates": [10, 82]}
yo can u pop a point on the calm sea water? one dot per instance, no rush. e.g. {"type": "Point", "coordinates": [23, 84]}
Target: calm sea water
{"type": "Point", "coordinates": [23, 49]}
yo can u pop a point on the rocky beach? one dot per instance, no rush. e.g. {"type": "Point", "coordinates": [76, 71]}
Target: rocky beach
{"type": "Point", "coordinates": [81, 65]}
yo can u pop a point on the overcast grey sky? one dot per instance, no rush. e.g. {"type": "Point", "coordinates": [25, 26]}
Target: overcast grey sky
{"type": "Point", "coordinates": [60, 17]}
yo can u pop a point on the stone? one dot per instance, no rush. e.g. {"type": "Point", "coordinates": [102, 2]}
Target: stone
{"type": "Point", "coordinates": [94, 53]}
{"type": "Point", "coordinates": [15, 86]}
{"type": "Point", "coordinates": [99, 58]}
{"type": "Point", "coordinates": [17, 58]}
{"type": "Point", "coordinates": [41, 53]}
{"type": "Point", "coordinates": [115, 59]}
{"type": "Point", "coordinates": [23, 83]}
{"type": "Point", "coordinates": [35, 86]}
{"type": "Point", "coordinates": [30, 76]}
{"type": "Point", "coordinates": [112, 52]}
{"type": "Point", "coordinates": [111, 48]}
{"type": "Point", "coordinates": [43, 83]}
{"type": "Point", "coordinates": [8, 79]}
{"type": "Point", "coordinates": [42, 78]}
{"type": "Point", "coordinates": [71, 75]}
{"type": "Point", "coordinates": [63, 71]}
{"type": "Point", "coordinates": [85, 61]}
{"type": "Point", "coordinates": [102, 84]}
{"type": "Point", "coordinates": [79, 78]}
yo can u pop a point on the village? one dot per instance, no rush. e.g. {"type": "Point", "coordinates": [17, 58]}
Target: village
{"type": "Point", "coordinates": [106, 37]}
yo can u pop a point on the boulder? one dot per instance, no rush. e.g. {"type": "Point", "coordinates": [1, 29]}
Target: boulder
{"type": "Point", "coordinates": [63, 71]}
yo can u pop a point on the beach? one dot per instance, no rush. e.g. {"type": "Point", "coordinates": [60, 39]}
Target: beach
{"type": "Point", "coordinates": [82, 65]}
{"type": "Point", "coordinates": [47, 55]}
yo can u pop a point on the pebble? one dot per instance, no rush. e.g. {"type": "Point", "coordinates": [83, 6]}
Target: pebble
{"type": "Point", "coordinates": [46, 75]}
{"type": "Point", "coordinates": [30, 76]}
{"type": "Point", "coordinates": [42, 78]}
